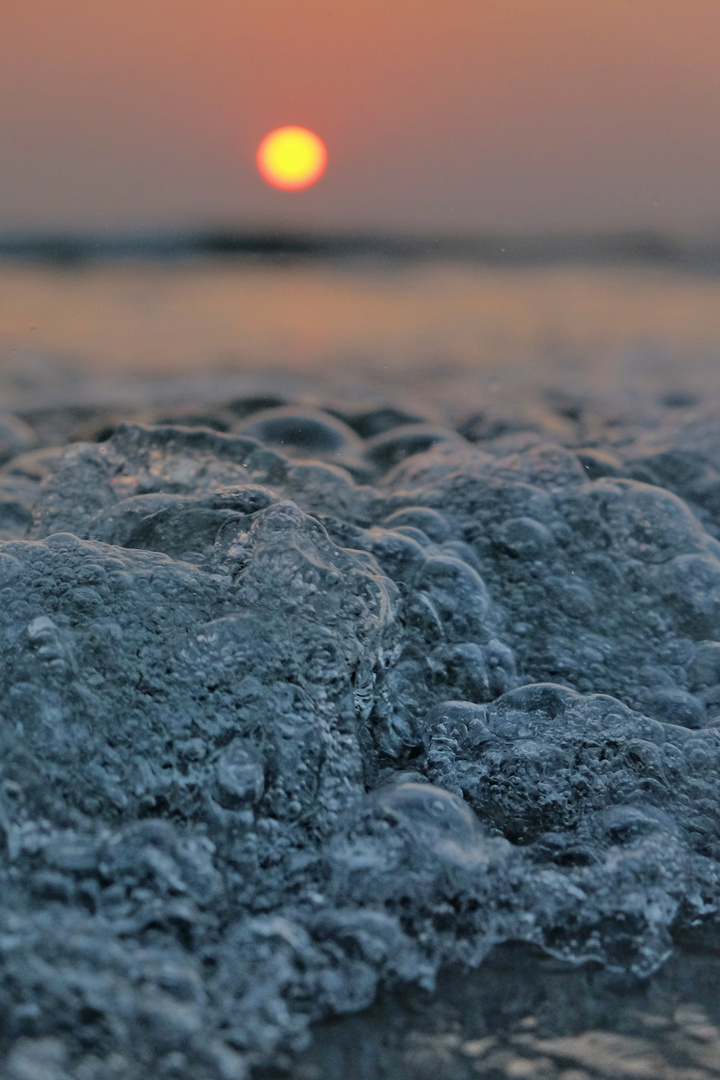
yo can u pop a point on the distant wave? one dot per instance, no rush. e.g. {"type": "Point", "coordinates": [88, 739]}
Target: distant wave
{"type": "Point", "coordinates": [611, 248]}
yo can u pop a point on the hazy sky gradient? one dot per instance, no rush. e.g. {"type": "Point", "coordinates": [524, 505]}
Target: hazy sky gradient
{"type": "Point", "coordinates": [438, 115]}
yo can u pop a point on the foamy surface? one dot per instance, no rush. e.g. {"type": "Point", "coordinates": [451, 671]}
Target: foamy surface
{"type": "Point", "coordinates": [369, 631]}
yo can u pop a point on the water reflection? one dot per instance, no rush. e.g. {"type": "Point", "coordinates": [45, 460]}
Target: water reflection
{"type": "Point", "coordinates": [524, 1016]}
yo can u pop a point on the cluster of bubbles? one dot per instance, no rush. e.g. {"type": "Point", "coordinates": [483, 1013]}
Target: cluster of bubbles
{"type": "Point", "coordinates": [297, 700]}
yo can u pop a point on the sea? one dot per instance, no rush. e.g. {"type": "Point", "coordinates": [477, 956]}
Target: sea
{"type": "Point", "coordinates": [175, 317]}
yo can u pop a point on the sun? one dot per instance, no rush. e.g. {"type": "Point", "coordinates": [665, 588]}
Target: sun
{"type": "Point", "coordinates": [291, 158]}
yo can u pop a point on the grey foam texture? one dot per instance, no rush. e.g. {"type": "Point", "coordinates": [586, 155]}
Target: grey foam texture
{"type": "Point", "coordinates": [272, 736]}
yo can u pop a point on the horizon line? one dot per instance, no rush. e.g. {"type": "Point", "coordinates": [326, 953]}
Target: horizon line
{"type": "Point", "coordinates": [645, 246]}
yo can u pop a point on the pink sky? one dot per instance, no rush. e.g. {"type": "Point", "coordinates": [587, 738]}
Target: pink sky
{"type": "Point", "coordinates": [438, 114]}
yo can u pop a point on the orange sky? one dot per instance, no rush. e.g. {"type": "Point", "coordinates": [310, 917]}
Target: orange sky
{"type": "Point", "coordinates": [437, 114]}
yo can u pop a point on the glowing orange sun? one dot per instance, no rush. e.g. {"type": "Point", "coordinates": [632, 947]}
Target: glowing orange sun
{"type": "Point", "coordinates": [291, 158]}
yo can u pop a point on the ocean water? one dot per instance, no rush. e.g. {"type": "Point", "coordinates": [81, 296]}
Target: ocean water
{"type": "Point", "coordinates": [275, 763]}
{"type": "Point", "coordinates": [424, 327]}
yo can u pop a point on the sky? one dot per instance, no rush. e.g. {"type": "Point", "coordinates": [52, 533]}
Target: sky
{"type": "Point", "coordinates": [439, 116]}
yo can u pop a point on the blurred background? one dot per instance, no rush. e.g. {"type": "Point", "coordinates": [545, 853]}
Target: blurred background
{"type": "Point", "coordinates": [523, 189]}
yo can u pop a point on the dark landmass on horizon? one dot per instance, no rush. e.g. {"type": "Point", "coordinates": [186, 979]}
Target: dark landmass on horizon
{"type": "Point", "coordinates": [631, 247]}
